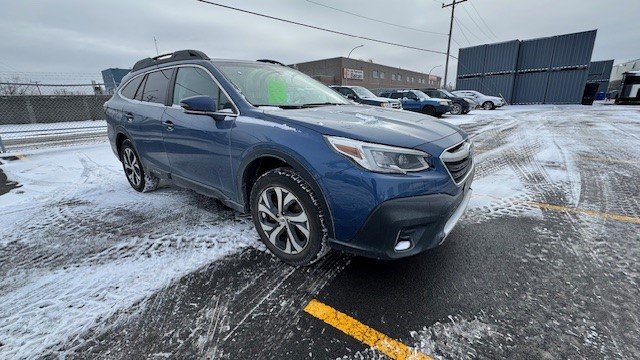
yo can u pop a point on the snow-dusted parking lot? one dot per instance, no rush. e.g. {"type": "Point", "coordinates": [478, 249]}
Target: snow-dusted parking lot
{"type": "Point", "coordinates": [543, 265]}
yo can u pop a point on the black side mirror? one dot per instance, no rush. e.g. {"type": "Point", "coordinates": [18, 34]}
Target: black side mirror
{"type": "Point", "coordinates": [200, 104]}
{"type": "Point", "coordinates": [352, 97]}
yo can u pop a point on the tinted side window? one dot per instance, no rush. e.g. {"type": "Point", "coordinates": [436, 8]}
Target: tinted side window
{"type": "Point", "coordinates": [155, 88]}
{"type": "Point", "coordinates": [397, 95]}
{"type": "Point", "coordinates": [129, 91]}
{"type": "Point", "coordinates": [191, 81]}
{"type": "Point", "coordinates": [141, 88]}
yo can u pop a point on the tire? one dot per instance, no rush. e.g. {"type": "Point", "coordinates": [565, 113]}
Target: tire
{"type": "Point", "coordinates": [488, 105]}
{"type": "Point", "coordinates": [138, 179]}
{"type": "Point", "coordinates": [456, 109]}
{"type": "Point", "coordinates": [294, 230]}
{"type": "Point", "coordinates": [429, 110]}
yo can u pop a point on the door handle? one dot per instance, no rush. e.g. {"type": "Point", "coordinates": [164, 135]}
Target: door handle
{"type": "Point", "coordinates": [129, 117]}
{"type": "Point", "coordinates": [168, 124]}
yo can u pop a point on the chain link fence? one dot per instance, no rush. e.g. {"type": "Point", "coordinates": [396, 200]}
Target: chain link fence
{"type": "Point", "coordinates": [35, 114]}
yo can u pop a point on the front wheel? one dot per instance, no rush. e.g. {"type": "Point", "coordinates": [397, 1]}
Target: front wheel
{"type": "Point", "coordinates": [288, 217]}
{"type": "Point", "coordinates": [456, 109]}
{"type": "Point", "coordinates": [488, 105]}
{"type": "Point", "coordinates": [429, 110]}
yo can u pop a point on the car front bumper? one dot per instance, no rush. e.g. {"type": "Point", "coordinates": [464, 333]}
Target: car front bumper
{"type": "Point", "coordinates": [443, 109]}
{"type": "Point", "coordinates": [423, 221]}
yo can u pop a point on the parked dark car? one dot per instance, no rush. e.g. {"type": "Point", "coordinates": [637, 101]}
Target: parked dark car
{"type": "Point", "coordinates": [362, 95]}
{"type": "Point", "coordinates": [459, 105]}
{"type": "Point", "coordinates": [416, 100]}
{"type": "Point", "coordinates": [313, 169]}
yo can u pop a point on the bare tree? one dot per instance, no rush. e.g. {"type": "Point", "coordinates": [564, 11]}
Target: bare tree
{"type": "Point", "coordinates": [15, 86]}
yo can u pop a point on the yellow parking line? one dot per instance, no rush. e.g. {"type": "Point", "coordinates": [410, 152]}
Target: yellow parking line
{"type": "Point", "coordinates": [361, 332]}
{"type": "Point", "coordinates": [618, 217]}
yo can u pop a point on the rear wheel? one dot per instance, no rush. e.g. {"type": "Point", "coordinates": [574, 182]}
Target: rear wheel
{"type": "Point", "coordinates": [138, 179]}
{"type": "Point", "coordinates": [456, 109]}
{"type": "Point", "coordinates": [429, 110]}
{"type": "Point", "coordinates": [488, 105]}
{"type": "Point", "coordinates": [288, 217]}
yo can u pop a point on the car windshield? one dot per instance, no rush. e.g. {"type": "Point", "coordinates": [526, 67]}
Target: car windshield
{"type": "Point", "coordinates": [275, 85]}
{"type": "Point", "coordinates": [446, 93]}
{"type": "Point", "coordinates": [362, 92]}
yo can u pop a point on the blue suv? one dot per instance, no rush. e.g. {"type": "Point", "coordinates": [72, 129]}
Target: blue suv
{"type": "Point", "coordinates": [314, 170]}
{"type": "Point", "coordinates": [416, 100]}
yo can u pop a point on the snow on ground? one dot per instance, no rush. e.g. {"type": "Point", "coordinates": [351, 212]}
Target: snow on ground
{"type": "Point", "coordinates": [456, 338]}
{"type": "Point", "coordinates": [18, 131]}
{"type": "Point", "coordinates": [78, 244]}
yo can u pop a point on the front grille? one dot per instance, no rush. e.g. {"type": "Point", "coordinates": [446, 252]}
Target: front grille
{"type": "Point", "coordinates": [459, 169]}
{"type": "Point", "coordinates": [395, 105]}
{"type": "Point", "coordinates": [458, 161]}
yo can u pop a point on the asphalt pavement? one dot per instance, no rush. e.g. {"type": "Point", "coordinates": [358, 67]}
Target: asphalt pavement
{"type": "Point", "coordinates": [542, 266]}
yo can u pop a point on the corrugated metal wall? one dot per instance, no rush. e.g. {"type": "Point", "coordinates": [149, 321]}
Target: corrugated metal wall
{"type": "Point", "coordinates": [498, 85]}
{"type": "Point", "coordinates": [500, 58]}
{"type": "Point", "coordinates": [472, 63]}
{"type": "Point", "coordinates": [566, 86]}
{"type": "Point", "coordinates": [600, 72]}
{"type": "Point", "coordinates": [536, 54]}
{"type": "Point", "coordinates": [549, 70]}
{"type": "Point", "coordinates": [530, 88]}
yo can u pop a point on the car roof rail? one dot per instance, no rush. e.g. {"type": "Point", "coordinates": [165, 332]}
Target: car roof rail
{"type": "Point", "coordinates": [169, 57]}
{"type": "Point", "coordinates": [269, 61]}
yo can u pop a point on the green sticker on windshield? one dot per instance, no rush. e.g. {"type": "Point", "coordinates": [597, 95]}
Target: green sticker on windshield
{"type": "Point", "coordinates": [277, 90]}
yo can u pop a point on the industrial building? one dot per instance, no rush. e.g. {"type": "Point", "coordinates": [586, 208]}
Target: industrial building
{"type": "Point", "coordinates": [112, 78]}
{"type": "Point", "coordinates": [550, 70]}
{"type": "Point", "coordinates": [346, 71]}
{"type": "Point", "coordinates": [615, 82]}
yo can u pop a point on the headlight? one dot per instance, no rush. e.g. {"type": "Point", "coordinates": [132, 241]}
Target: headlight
{"type": "Point", "coordinates": [444, 102]}
{"type": "Point", "coordinates": [380, 158]}
{"type": "Point", "coordinates": [384, 104]}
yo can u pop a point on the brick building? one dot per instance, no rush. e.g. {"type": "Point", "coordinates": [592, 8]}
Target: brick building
{"type": "Point", "coordinates": [344, 71]}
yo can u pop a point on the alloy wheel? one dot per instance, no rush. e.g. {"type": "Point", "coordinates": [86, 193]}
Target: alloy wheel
{"type": "Point", "coordinates": [283, 220]}
{"type": "Point", "coordinates": [132, 167]}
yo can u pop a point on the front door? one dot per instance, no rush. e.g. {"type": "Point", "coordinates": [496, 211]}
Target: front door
{"type": "Point", "coordinates": [198, 145]}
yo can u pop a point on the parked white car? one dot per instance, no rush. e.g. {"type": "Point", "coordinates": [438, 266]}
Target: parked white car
{"type": "Point", "coordinates": [485, 101]}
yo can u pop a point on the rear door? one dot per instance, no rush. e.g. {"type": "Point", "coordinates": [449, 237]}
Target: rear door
{"type": "Point", "coordinates": [197, 145]}
{"type": "Point", "coordinates": [144, 119]}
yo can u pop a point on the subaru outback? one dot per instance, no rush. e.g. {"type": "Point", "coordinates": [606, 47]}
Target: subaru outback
{"type": "Point", "coordinates": [314, 170]}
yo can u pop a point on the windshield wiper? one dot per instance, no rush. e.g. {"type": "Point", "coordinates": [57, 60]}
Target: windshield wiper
{"type": "Point", "coordinates": [319, 104]}
{"type": "Point", "coordinates": [281, 106]}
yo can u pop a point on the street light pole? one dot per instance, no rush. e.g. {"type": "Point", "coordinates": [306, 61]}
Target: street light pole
{"type": "Point", "coordinates": [437, 66]}
{"type": "Point", "coordinates": [359, 46]}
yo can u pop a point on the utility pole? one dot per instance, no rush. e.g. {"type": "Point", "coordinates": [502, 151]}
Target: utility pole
{"type": "Point", "coordinates": [453, 8]}
{"type": "Point", "coordinates": [156, 43]}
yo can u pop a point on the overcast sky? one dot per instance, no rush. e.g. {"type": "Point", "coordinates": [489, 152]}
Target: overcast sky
{"type": "Point", "coordinates": [80, 36]}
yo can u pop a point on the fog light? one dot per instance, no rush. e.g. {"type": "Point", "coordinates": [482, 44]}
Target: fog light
{"type": "Point", "coordinates": [404, 241]}
{"type": "Point", "coordinates": [403, 245]}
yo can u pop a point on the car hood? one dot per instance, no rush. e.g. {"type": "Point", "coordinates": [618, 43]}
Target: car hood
{"type": "Point", "coordinates": [366, 123]}
{"type": "Point", "coordinates": [381, 99]}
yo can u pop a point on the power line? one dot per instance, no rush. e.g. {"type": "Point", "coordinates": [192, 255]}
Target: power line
{"type": "Point", "coordinates": [462, 32]}
{"type": "Point", "coordinates": [477, 25]}
{"type": "Point", "coordinates": [460, 24]}
{"type": "Point", "coordinates": [482, 19]}
{"type": "Point", "coordinates": [376, 20]}
{"type": "Point", "coordinates": [322, 29]}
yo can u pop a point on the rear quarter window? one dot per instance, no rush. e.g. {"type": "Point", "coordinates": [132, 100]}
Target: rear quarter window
{"type": "Point", "coordinates": [155, 88]}
{"type": "Point", "coordinates": [129, 90]}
